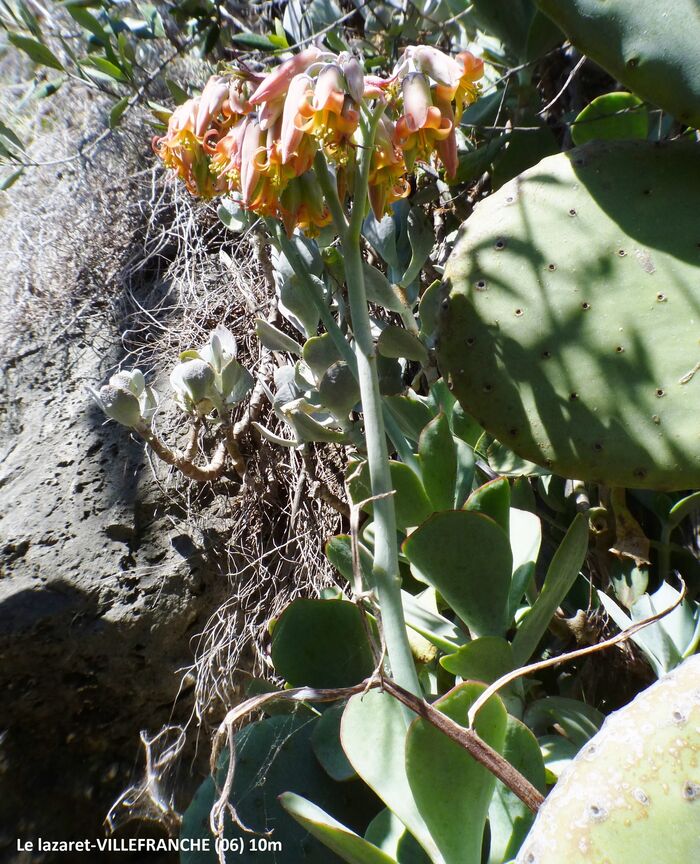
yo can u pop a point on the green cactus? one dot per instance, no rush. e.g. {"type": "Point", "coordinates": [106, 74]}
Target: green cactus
{"type": "Point", "coordinates": [571, 328]}
{"type": "Point", "coordinates": [653, 48]}
{"type": "Point", "coordinates": [633, 793]}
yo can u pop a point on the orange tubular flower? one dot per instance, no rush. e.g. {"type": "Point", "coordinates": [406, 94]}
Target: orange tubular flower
{"type": "Point", "coordinates": [447, 147]}
{"type": "Point", "coordinates": [302, 206]}
{"type": "Point", "coordinates": [238, 97]}
{"type": "Point", "coordinates": [215, 92]}
{"type": "Point", "coordinates": [423, 124]}
{"type": "Point", "coordinates": [275, 85]}
{"type": "Point", "coordinates": [181, 150]}
{"type": "Point", "coordinates": [292, 135]}
{"type": "Point", "coordinates": [387, 172]}
{"type": "Point", "coordinates": [376, 87]}
{"type": "Point", "coordinates": [329, 113]}
{"type": "Point", "coordinates": [227, 157]}
{"type": "Point", "coordinates": [455, 77]}
{"type": "Point", "coordinates": [263, 176]}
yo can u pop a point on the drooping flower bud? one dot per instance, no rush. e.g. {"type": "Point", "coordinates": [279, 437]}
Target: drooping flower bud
{"type": "Point", "coordinates": [387, 173]}
{"type": "Point", "coordinates": [215, 92]}
{"type": "Point", "coordinates": [354, 75]}
{"type": "Point", "coordinates": [291, 134]}
{"type": "Point", "coordinates": [423, 123]}
{"type": "Point", "coordinates": [277, 82]}
{"type": "Point", "coordinates": [249, 150]}
{"type": "Point", "coordinates": [440, 67]}
{"type": "Point", "coordinates": [330, 89]}
{"type": "Point", "coordinates": [416, 100]}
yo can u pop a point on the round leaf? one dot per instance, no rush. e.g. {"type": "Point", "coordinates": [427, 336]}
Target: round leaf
{"type": "Point", "coordinates": [321, 643]}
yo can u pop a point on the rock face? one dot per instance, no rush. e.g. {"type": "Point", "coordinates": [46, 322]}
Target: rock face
{"type": "Point", "coordinates": [100, 595]}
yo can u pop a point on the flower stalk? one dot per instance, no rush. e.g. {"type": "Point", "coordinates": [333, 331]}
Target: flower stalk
{"type": "Point", "coordinates": [318, 141]}
{"type": "Point", "coordinates": [385, 565]}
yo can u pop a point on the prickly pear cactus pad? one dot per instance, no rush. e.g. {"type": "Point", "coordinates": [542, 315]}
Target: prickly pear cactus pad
{"type": "Point", "coordinates": [633, 793]}
{"type": "Point", "coordinates": [570, 325]}
{"type": "Point", "coordinates": [651, 47]}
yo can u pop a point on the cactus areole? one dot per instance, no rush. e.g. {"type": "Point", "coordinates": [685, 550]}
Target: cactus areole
{"type": "Point", "coordinates": [570, 323]}
{"type": "Point", "coordinates": [633, 793]}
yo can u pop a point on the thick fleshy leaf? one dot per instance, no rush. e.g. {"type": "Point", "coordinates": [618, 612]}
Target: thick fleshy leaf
{"type": "Point", "coordinates": [325, 741]}
{"type": "Point", "coordinates": [451, 789]}
{"type": "Point", "coordinates": [373, 734]}
{"type": "Point", "coordinates": [411, 413]}
{"type": "Point", "coordinates": [236, 382]}
{"type": "Point", "coordinates": [296, 305]}
{"type": "Point", "coordinates": [464, 426]}
{"type": "Point", "coordinates": [429, 310]}
{"type": "Point", "coordinates": [379, 290]}
{"type": "Point", "coordinates": [666, 642]}
{"type": "Point", "coordinates": [274, 339]}
{"type": "Point", "coordinates": [382, 235]}
{"type": "Point", "coordinates": [321, 643]}
{"type": "Point", "coordinates": [484, 659]}
{"type": "Point", "coordinates": [421, 614]}
{"type": "Point", "coordinates": [438, 461]}
{"type": "Point", "coordinates": [341, 840]}
{"type": "Point", "coordinates": [399, 342]}
{"type": "Point", "coordinates": [339, 552]}
{"type": "Point", "coordinates": [561, 575]}
{"type": "Point", "coordinates": [466, 556]}
{"type": "Point", "coordinates": [509, 818]}
{"type": "Point", "coordinates": [339, 390]}
{"type": "Point", "coordinates": [117, 111]}
{"type": "Point", "coordinates": [683, 508]}
{"type": "Point", "coordinates": [422, 239]}
{"type": "Point", "coordinates": [578, 721]}
{"type": "Point", "coordinates": [307, 429]}
{"type": "Point", "coordinates": [466, 466]}
{"type": "Point", "coordinates": [37, 51]}
{"type": "Point", "coordinates": [493, 499]}
{"type": "Point", "coordinates": [410, 500]}
{"type": "Point", "coordinates": [390, 835]}
{"type": "Point", "coordinates": [390, 376]}
{"type": "Point", "coordinates": [273, 756]}
{"type": "Point", "coordinates": [319, 352]}
{"type": "Point", "coordinates": [525, 540]}
{"type": "Point", "coordinates": [557, 753]}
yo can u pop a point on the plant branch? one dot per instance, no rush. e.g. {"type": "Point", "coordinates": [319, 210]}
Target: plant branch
{"type": "Point", "coordinates": [211, 471]}
{"type": "Point", "coordinates": [472, 743]}
{"type": "Point", "coordinates": [572, 655]}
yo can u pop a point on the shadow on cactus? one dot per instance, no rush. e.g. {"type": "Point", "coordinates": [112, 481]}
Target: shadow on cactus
{"type": "Point", "coordinates": [571, 327]}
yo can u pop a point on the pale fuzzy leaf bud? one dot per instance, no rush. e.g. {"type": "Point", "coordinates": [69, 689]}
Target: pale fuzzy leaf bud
{"type": "Point", "coordinates": [120, 404]}
{"type": "Point", "coordinates": [194, 384]}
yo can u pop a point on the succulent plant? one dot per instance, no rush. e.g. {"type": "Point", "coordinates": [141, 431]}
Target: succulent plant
{"type": "Point", "coordinates": [126, 398]}
{"type": "Point", "coordinates": [651, 48]}
{"type": "Point", "coordinates": [633, 792]}
{"type": "Point", "coordinates": [210, 377]}
{"type": "Point", "coordinates": [194, 384]}
{"type": "Point", "coordinates": [571, 327]}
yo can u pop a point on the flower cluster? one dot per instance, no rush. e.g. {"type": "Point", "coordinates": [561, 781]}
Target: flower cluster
{"type": "Point", "coordinates": [258, 136]}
